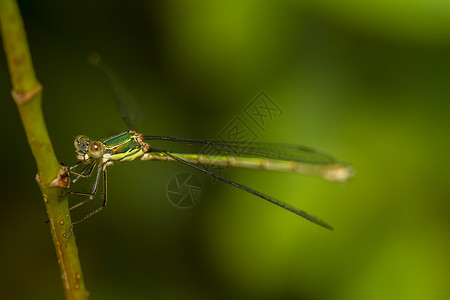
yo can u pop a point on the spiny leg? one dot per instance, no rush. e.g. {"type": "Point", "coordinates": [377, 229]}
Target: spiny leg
{"type": "Point", "coordinates": [82, 172]}
{"type": "Point", "coordinates": [94, 189]}
{"type": "Point", "coordinates": [105, 198]}
{"type": "Point", "coordinates": [75, 165]}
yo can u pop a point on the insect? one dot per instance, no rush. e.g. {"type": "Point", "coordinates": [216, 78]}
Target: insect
{"type": "Point", "coordinates": [96, 156]}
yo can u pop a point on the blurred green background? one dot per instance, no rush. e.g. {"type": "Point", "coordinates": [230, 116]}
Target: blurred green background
{"type": "Point", "coordinates": [365, 81]}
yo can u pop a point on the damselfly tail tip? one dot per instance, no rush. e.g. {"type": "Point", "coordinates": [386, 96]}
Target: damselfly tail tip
{"type": "Point", "coordinates": [339, 173]}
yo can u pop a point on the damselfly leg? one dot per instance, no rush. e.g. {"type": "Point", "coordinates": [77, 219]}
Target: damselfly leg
{"type": "Point", "coordinates": [82, 174]}
{"type": "Point", "coordinates": [86, 172]}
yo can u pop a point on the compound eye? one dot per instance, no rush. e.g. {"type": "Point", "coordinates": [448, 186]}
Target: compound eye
{"type": "Point", "coordinates": [80, 141]}
{"type": "Point", "coordinates": [81, 144]}
{"type": "Point", "coordinates": [96, 150]}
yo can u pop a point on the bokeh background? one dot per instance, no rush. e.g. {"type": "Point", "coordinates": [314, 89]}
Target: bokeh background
{"type": "Point", "coordinates": [365, 81]}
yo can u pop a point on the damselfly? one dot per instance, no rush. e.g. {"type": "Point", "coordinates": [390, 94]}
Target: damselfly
{"type": "Point", "coordinates": [96, 156]}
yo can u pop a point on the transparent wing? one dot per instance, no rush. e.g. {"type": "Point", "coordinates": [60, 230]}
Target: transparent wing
{"type": "Point", "coordinates": [285, 152]}
{"type": "Point", "coordinates": [126, 103]}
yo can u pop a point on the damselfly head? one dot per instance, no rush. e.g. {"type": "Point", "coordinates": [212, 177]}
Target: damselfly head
{"type": "Point", "coordinates": [86, 149]}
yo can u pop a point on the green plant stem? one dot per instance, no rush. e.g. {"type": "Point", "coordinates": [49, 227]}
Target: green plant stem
{"type": "Point", "coordinates": [52, 178]}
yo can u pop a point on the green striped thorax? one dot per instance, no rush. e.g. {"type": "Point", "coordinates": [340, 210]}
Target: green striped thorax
{"type": "Point", "coordinates": [125, 146]}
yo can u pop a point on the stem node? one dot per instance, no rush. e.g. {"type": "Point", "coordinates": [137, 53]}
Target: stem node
{"type": "Point", "coordinates": [23, 97]}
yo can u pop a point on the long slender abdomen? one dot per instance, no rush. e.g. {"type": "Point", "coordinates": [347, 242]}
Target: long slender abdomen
{"type": "Point", "coordinates": [332, 172]}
